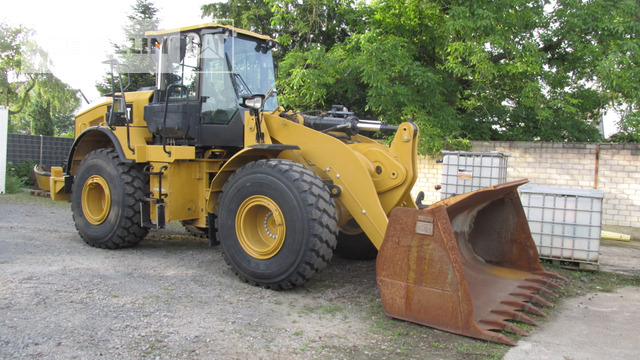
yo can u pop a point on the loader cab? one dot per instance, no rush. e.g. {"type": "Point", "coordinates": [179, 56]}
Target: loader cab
{"type": "Point", "coordinates": [202, 75]}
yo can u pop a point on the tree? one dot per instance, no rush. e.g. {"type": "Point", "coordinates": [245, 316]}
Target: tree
{"type": "Point", "coordinates": [39, 112]}
{"type": "Point", "coordinates": [296, 24]}
{"type": "Point", "coordinates": [617, 63]}
{"type": "Point", "coordinates": [252, 15]}
{"type": "Point", "coordinates": [39, 102]}
{"type": "Point", "coordinates": [135, 54]}
{"type": "Point", "coordinates": [483, 69]}
{"type": "Point", "coordinates": [15, 84]}
{"type": "Point", "coordinates": [316, 23]}
{"type": "Point", "coordinates": [63, 102]}
{"type": "Point", "coordinates": [50, 109]}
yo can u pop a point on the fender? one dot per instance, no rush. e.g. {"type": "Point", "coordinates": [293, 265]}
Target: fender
{"type": "Point", "coordinates": [245, 156]}
{"type": "Point", "coordinates": [93, 138]}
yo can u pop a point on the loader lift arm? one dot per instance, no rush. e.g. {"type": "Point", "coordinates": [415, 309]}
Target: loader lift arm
{"type": "Point", "coordinates": [373, 178]}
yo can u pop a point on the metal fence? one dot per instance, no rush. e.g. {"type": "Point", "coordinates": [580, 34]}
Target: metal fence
{"type": "Point", "coordinates": [45, 150]}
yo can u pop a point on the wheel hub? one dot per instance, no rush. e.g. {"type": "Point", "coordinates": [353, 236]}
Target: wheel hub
{"type": "Point", "coordinates": [96, 199]}
{"type": "Point", "coordinates": [260, 227]}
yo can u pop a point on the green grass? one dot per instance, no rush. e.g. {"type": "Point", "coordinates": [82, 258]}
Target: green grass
{"type": "Point", "coordinates": [332, 309]}
{"type": "Point", "coordinates": [582, 282]}
{"type": "Point", "coordinates": [24, 197]}
{"type": "Point", "coordinates": [408, 340]}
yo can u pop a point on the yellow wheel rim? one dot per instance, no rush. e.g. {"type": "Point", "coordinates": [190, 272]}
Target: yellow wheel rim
{"type": "Point", "coordinates": [260, 227]}
{"type": "Point", "coordinates": [96, 199]}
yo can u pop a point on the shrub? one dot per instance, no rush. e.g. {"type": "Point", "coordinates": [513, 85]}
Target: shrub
{"type": "Point", "coordinates": [24, 172]}
{"type": "Point", "coordinates": [19, 175]}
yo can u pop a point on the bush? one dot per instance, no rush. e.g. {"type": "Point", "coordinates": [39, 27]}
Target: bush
{"type": "Point", "coordinates": [12, 184]}
{"type": "Point", "coordinates": [19, 176]}
{"type": "Point", "coordinates": [24, 172]}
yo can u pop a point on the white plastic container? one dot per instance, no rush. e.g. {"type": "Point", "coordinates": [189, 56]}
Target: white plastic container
{"type": "Point", "coordinates": [565, 223]}
{"type": "Point", "coordinates": [464, 171]}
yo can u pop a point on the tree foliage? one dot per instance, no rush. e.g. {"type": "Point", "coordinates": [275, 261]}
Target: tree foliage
{"type": "Point", "coordinates": [483, 69]}
{"type": "Point", "coordinates": [139, 70]}
{"type": "Point", "coordinates": [39, 102]}
{"type": "Point", "coordinates": [40, 112]}
{"type": "Point", "coordinates": [50, 109]}
{"type": "Point", "coordinates": [296, 24]}
{"type": "Point", "coordinates": [61, 101]}
{"type": "Point", "coordinates": [252, 15]}
{"type": "Point", "coordinates": [15, 84]}
{"type": "Point", "coordinates": [308, 24]}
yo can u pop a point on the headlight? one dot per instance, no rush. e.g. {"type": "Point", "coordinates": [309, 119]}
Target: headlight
{"type": "Point", "coordinates": [254, 101]}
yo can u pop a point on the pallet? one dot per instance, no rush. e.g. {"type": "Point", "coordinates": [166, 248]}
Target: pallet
{"type": "Point", "coordinates": [38, 192]}
{"type": "Point", "coordinates": [575, 265]}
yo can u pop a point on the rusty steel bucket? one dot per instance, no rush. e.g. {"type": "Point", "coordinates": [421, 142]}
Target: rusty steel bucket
{"type": "Point", "coordinates": [466, 265]}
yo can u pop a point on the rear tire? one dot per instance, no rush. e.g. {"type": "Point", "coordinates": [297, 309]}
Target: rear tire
{"type": "Point", "coordinates": [195, 231]}
{"type": "Point", "coordinates": [105, 201]}
{"type": "Point", "coordinates": [276, 223]}
{"type": "Point", "coordinates": [355, 247]}
{"type": "Point", "coordinates": [354, 244]}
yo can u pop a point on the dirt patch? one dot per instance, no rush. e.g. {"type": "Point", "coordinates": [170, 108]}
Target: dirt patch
{"type": "Point", "coordinates": [620, 257]}
{"type": "Point", "coordinates": [173, 296]}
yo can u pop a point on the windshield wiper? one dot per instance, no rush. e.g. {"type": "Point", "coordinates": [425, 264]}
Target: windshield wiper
{"type": "Point", "coordinates": [241, 85]}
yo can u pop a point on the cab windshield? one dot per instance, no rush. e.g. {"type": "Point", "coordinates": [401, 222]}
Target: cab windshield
{"type": "Point", "coordinates": [225, 67]}
{"type": "Point", "coordinates": [232, 67]}
{"type": "Point", "coordinates": [252, 67]}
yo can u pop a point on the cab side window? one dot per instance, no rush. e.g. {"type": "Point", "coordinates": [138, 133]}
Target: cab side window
{"type": "Point", "coordinates": [180, 65]}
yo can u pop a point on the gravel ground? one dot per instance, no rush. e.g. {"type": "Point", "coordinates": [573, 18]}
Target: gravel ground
{"type": "Point", "coordinates": [174, 297]}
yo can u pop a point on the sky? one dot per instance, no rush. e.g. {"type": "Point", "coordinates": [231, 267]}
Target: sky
{"type": "Point", "coordinates": [78, 34]}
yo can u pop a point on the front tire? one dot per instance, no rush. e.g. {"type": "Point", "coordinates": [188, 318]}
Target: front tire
{"type": "Point", "coordinates": [277, 224]}
{"type": "Point", "coordinates": [105, 201]}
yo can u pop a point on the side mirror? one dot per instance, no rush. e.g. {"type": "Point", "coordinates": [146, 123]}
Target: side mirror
{"type": "Point", "coordinates": [271, 92]}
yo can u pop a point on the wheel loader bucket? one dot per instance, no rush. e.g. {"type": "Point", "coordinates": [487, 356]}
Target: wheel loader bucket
{"type": "Point", "coordinates": [466, 265]}
{"type": "Point", "coordinates": [42, 177]}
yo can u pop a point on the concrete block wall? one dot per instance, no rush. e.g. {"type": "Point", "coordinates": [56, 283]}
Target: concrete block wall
{"type": "Point", "coordinates": [613, 168]}
{"type": "Point", "coordinates": [570, 165]}
{"type": "Point", "coordinates": [429, 175]}
{"type": "Point", "coordinates": [619, 177]}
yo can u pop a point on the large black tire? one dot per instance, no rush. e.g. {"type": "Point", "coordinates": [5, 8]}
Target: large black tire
{"type": "Point", "coordinates": [354, 244]}
{"type": "Point", "coordinates": [277, 224]}
{"type": "Point", "coordinates": [105, 201]}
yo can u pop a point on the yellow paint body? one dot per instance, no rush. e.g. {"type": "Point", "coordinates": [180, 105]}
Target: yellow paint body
{"type": "Point", "coordinates": [373, 178]}
{"type": "Point", "coordinates": [368, 178]}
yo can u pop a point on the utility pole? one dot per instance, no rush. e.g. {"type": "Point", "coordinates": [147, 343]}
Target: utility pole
{"type": "Point", "coordinates": [4, 129]}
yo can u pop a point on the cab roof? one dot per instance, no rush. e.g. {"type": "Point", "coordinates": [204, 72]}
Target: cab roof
{"type": "Point", "coordinates": [207, 26]}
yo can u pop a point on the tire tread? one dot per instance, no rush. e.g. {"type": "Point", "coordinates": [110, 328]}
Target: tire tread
{"type": "Point", "coordinates": [323, 223]}
{"type": "Point", "coordinates": [129, 232]}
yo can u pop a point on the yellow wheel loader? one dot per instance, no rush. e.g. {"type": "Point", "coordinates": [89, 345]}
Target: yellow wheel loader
{"type": "Point", "coordinates": [210, 147]}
